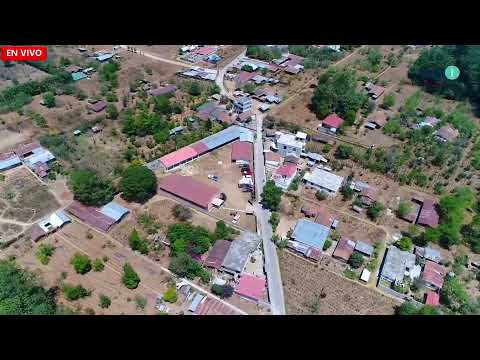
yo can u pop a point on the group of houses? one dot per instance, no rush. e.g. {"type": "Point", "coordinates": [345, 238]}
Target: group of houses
{"type": "Point", "coordinates": [200, 53]}
{"type": "Point", "coordinates": [199, 74]}
{"type": "Point", "coordinates": [33, 155]}
{"type": "Point", "coordinates": [423, 266]}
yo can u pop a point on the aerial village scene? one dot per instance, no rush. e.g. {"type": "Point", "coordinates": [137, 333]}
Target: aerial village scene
{"type": "Point", "coordinates": [240, 180]}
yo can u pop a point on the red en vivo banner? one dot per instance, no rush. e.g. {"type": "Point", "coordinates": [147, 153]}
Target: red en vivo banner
{"type": "Point", "coordinates": [24, 53]}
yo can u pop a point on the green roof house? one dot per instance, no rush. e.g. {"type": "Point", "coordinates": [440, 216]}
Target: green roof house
{"type": "Point", "coordinates": [78, 76]}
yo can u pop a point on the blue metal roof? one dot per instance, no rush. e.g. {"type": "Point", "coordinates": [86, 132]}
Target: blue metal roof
{"type": "Point", "coordinates": [310, 233]}
{"type": "Point", "coordinates": [41, 155]}
{"type": "Point", "coordinates": [11, 162]}
{"type": "Point", "coordinates": [114, 211]}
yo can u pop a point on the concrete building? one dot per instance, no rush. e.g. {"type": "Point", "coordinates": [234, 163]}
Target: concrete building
{"type": "Point", "coordinates": [239, 252]}
{"type": "Point", "coordinates": [242, 105]}
{"type": "Point", "coordinates": [397, 265]}
{"type": "Point", "coordinates": [289, 144]}
{"type": "Point", "coordinates": [323, 181]}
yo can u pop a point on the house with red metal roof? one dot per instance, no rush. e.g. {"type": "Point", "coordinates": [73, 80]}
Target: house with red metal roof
{"type": "Point", "coordinates": [324, 217]}
{"type": "Point", "coordinates": [243, 78]}
{"type": "Point", "coordinates": [217, 254]}
{"type": "Point", "coordinates": [433, 299]}
{"type": "Point", "coordinates": [344, 249]}
{"type": "Point", "coordinates": [192, 190]}
{"type": "Point", "coordinates": [429, 215]}
{"type": "Point", "coordinates": [332, 122]}
{"type": "Point", "coordinates": [242, 151]}
{"type": "Point", "coordinates": [91, 216]}
{"type": "Point", "coordinates": [368, 195]}
{"type": "Point", "coordinates": [252, 287]}
{"type": "Point", "coordinates": [205, 51]}
{"type": "Point", "coordinates": [284, 175]}
{"type": "Point", "coordinates": [433, 275]}
{"type": "Point", "coordinates": [447, 133]}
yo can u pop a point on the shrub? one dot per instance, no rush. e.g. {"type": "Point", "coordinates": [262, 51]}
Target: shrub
{"type": "Point", "coordinates": [104, 302]}
{"type": "Point", "coordinates": [223, 291]}
{"type": "Point", "coordinates": [45, 251]}
{"type": "Point", "coordinates": [320, 195]}
{"type": "Point", "coordinates": [73, 293]}
{"type": "Point", "coordinates": [405, 244]}
{"type": "Point", "coordinates": [81, 263]}
{"type": "Point", "coordinates": [49, 99]}
{"type": "Point", "coordinates": [375, 210]}
{"type": "Point", "coordinates": [137, 243]}
{"type": "Point", "coordinates": [356, 260]}
{"type": "Point", "coordinates": [274, 220]}
{"type": "Point", "coordinates": [140, 302]}
{"type": "Point", "coordinates": [344, 151]}
{"type": "Point", "coordinates": [98, 265]}
{"type": "Point", "coordinates": [404, 208]}
{"type": "Point", "coordinates": [182, 213]}
{"type": "Point", "coordinates": [171, 295]}
{"type": "Point", "coordinates": [327, 245]}
{"type": "Point", "coordinates": [130, 278]}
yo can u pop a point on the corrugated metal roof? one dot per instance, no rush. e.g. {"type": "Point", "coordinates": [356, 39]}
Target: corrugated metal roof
{"type": "Point", "coordinates": [239, 251]}
{"type": "Point", "coordinates": [364, 248]}
{"type": "Point", "coordinates": [9, 160]}
{"type": "Point", "coordinates": [217, 254]}
{"type": "Point", "coordinates": [396, 263]}
{"type": "Point", "coordinates": [190, 189]}
{"type": "Point", "coordinates": [40, 155]}
{"type": "Point", "coordinates": [324, 179]}
{"type": "Point", "coordinates": [78, 76]}
{"type": "Point", "coordinates": [310, 233]}
{"type": "Point", "coordinates": [114, 211]}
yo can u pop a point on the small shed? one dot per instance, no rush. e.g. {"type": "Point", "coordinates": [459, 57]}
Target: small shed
{"type": "Point", "coordinates": [365, 277]}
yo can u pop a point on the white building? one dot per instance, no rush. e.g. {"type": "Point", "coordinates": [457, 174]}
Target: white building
{"type": "Point", "coordinates": [289, 144]}
{"type": "Point", "coordinates": [323, 181]}
{"type": "Point", "coordinates": [244, 104]}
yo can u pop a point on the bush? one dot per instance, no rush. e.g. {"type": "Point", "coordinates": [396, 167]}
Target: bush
{"type": "Point", "coordinates": [344, 151]}
{"type": "Point", "coordinates": [184, 266]}
{"type": "Point", "coordinates": [389, 101]}
{"type": "Point", "coordinates": [49, 99]}
{"type": "Point", "coordinates": [81, 263]}
{"type": "Point", "coordinates": [223, 231]}
{"type": "Point", "coordinates": [375, 210]}
{"type": "Point", "coordinates": [347, 192]}
{"type": "Point", "coordinates": [171, 295]}
{"type": "Point", "coordinates": [138, 183]}
{"type": "Point", "coordinates": [140, 303]}
{"type": "Point", "coordinates": [356, 260]}
{"type": "Point", "coordinates": [223, 291]}
{"type": "Point", "coordinates": [327, 245]}
{"type": "Point", "coordinates": [138, 244]}
{"type": "Point", "coordinates": [404, 208]}
{"type": "Point", "coordinates": [405, 244]}
{"type": "Point", "coordinates": [182, 213]}
{"type": "Point", "coordinates": [272, 195]}
{"type": "Point", "coordinates": [320, 195]}
{"type": "Point", "coordinates": [112, 112]}
{"type": "Point", "coordinates": [274, 220]}
{"type": "Point", "coordinates": [105, 301]}
{"type": "Point", "coordinates": [98, 265]}
{"type": "Point", "coordinates": [130, 278]}
{"type": "Point", "coordinates": [73, 293]}
{"type": "Point", "coordinates": [45, 251]}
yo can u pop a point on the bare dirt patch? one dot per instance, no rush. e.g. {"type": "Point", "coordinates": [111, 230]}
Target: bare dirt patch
{"type": "Point", "coordinates": [311, 289]}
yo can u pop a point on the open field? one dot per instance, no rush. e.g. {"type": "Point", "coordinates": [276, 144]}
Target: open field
{"type": "Point", "coordinates": [311, 289]}
{"type": "Point", "coordinates": [72, 239]}
{"type": "Point", "coordinates": [24, 198]}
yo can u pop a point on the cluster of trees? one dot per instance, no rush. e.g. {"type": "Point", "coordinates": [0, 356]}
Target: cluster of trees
{"type": "Point", "coordinates": [22, 294]}
{"type": "Point", "coordinates": [144, 123]}
{"type": "Point", "coordinates": [183, 265]}
{"type": "Point", "coordinates": [164, 106]}
{"type": "Point", "coordinates": [137, 243]}
{"type": "Point", "coordinates": [90, 188]}
{"type": "Point", "coordinates": [75, 292]}
{"type": "Point", "coordinates": [15, 97]}
{"type": "Point", "coordinates": [429, 71]}
{"type": "Point", "coordinates": [108, 74]}
{"type": "Point", "coordinates": [315, 57]}
{"type": "Point", "coordinates": [263, 52]}
{"type": "Point", "coordinates": [272, 195]}
{"type": "Point", "coordinates": [224, 291]}
{"type": "Point", "coordinates": [410, 308]}
{"type": "Point", "coordinates": [337, 93]}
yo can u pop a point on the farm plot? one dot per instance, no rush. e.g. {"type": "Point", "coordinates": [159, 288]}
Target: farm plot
{"type": "Point", "coordinates": [311, 289]}
{"type": "Point", "coordinates": [25, 198]}
{"type": "Point", "coordinates": [18, 72]}
{"type": "Point", "coordinates": [73, 239]}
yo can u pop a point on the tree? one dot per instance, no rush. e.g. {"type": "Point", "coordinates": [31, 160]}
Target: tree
{"type": "Point", "coordinates": [389, 101]}
{"type": "Point", "coordinates": [187, 237]}
{"type": "Point", "coordinates": [21, 292]}
{"type": "Point", "coordinates": [184, 266]}
{"type": "Point", "coordinates": [272, 195]}
{"type": "Point", "coordinates": [171, 295]}
{"type": "Point", "coordinates": [140, 303]}
{"type": "Point", "coordinates": [224, 291]}
{"type": "Point", "coordinates": [274, 220]}
{"type": "Point", "coordinates": [49, 99]}
{"type": "Point", "coordinates": [223, 231]}
{"type": "Point", "coordinates": [337, 93]}
{"type": "Point", "coordinates": [248, 68]}
{"type": "Point", "coordinates": [404, 208]}
{"type": "Point", "coordinates": [98, 265]}
{"type": "Point", "coordinates": [344, 151]}
{"type": "Point", "coordinates": [375, 210]}
{"type": "Point", "coordinates": [112, 112]}
{"type": "Point", "coordinates": [91, 189]}
{"type": "Point", "coordinates": [137, 243]}
{"type": "Point", "coordinates": [138, 183]}
{"type": "Point", "coordinates": [130, 278]}
{"type": "Point", "coordinates": [327, 245]}
{"type": "Point", "coordinates": [81, 263]}
{"type": "Point", "coordinates": [195, 89]}
{"type": "Point", "coordinates": [182, 213]}
{"type": "Point", "coordinates": [249, 88]}
{"type": "Point", "coordinates": [347, 192]}
{"type": "Point", "coordinates": [162, 105]}
{"type": "Point", "coordinates": [73, 293]}
{"type": "Point", "coordinates": [356, 260]}
{"type": "Point", "coordinates": [104, 302]}
{"type": "Point", "coordinates": [454, 295]}
{"type": "Point", "coordinates": [410, 308]}
{"type": "Point", "coordinates": [320, 195]}
{"type": "Point", "coordinates": [405, 244]}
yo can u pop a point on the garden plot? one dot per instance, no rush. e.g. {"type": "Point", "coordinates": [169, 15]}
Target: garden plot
{"type": "Point", "coordinates": [311, 289]}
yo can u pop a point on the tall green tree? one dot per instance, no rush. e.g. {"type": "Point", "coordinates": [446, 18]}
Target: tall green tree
{"type": "Point", "coordinates": [272, 195]}
{"type": "Point", "coordinates": [138, 183]}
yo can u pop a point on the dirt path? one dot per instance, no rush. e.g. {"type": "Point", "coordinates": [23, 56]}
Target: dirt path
{"type": "Point", "coordinates": [158, 58]}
